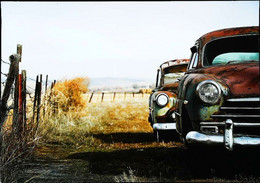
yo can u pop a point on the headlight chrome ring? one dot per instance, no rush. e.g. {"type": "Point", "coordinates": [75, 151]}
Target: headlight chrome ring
{"type": "Point", "coordinates": [209, 92]}
{"type": "Point", "coordinates": [162, 99]}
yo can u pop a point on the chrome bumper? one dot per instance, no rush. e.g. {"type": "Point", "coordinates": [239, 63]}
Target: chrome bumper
{"type": "Point", "coordinates": [228, 139]}
{"type": "Point", "coordinates": [164, 126]}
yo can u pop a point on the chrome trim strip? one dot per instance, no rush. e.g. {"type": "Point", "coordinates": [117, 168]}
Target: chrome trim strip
{"type": "Point", "coordinates": [235, 124]}
{"type": "Point", "coordinates": [235, 108]}
{"type": "Point", "coordinates": [164, 126]}
{"type": "Point", "coordinates": [178, 114]}
{"type": "Point", "coordinates": [212, 123]}
{"type": "Point", "coordinates": [234, 116]}
{"type": "Point", "coordinates": [254, 99]}
{"type": "Point", "coordinates": [197, 137]}
{"type": "Point", "coordinates": [247, 124]}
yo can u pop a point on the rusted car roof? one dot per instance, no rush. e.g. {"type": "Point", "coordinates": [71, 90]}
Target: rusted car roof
{"type": "Point", "coordinates": [172, 66]}
{"type": "Point", "coordinates": [174, 62]}
{"type": "Point", "coordinates": [228, 32]}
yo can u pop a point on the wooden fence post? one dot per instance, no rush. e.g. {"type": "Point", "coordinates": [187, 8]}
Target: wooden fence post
{"type": "Point", "coordinates": [114, 96]}
{"type": "Point", "coordinates": [102, 96]}
{"type": "Point", "coordinates": [54, 102]}
{"type": "Point", "coordinates": [24, 99]}
{"type": "Point", "coordinates": [16, 123]}
{"type": "Point", "coordinates": [39, 101]}
{"type": "Point", "coordinates": [46, 83]}
{"type": "Point", "coordinates": [44, 99]}
{"type": "Point", "coordinates": [20, 104]}
{"type": "Point", "coordinates": [91, 97]}
{"type": "Point", "coordinates": [16, 100]}
{"type": "Point", "coordinates": [14, 60]}
{"type": "Point", "coordinates": [35, 96]}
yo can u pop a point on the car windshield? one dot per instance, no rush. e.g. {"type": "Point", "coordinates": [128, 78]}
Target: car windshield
{"type": "Point", "coordinates": [237, 57]}
{"type": "Point", "coordinates": [231, 50]}
{"type": "Point", "coordinates": [172, 77]}
{"type": "Point", "coordinates": [172, 73]}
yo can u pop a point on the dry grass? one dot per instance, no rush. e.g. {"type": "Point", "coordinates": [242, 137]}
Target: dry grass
{"type": "Point", "coordinates": [115, 138]}
{"type": "Point", "coordinates": [78, 127]}
{"type": "Point", "coordinates": [127, 177]}
{"type": "Point", "coordinates": [75, 121]}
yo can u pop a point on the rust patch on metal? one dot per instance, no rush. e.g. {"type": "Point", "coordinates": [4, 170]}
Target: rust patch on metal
{"type": "Point", "coordinates": [242, 79]}
{"type": "Point", "coordinates": [228, 32]}
{"type": "Point", "coordinates": [171, 86]}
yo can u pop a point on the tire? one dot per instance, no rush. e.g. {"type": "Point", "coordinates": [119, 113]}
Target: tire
{"type": "Point", "coordinates": [186, 127]}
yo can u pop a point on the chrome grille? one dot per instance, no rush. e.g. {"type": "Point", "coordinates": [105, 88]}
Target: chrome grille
{"type": "Point", "coordinates": [244, 112]}
{"type": "Point", "coordinates": [241, 110]}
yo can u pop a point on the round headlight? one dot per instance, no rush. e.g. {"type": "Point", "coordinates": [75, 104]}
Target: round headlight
{"type": "Point", "coordinates": [209, 91]}
{"type": "Point", "coordinates": [162, 99]}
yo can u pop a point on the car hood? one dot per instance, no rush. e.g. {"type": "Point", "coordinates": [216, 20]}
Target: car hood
{"type": "Point", "coordinates": [242, 79]}
{"type": "Point", "coordinates": [170, 86]}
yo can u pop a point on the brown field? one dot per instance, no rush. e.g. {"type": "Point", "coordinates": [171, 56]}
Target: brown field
{"type": "Point", "coordinates": [113, 142]}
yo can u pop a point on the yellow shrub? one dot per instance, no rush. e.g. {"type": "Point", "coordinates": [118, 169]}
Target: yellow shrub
{"type": "Point", "coordinates": [68, 94]}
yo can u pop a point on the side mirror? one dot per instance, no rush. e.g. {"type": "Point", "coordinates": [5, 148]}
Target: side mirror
{"type": "Point", "coordinates": [194, 49]}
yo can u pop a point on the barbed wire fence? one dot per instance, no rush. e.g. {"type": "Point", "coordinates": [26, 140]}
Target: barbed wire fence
{"type": "Point", "coordinates": [20, 108]}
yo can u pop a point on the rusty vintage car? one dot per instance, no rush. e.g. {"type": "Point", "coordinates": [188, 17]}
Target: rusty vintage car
{"type": "Point", "coordinates": [163, 98]}
{"type": "Point", "coordinates": [218, 97]}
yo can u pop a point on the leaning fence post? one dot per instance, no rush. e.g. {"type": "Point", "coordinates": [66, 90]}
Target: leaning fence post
{"type": "Point", "coordinates": [35, 96]}
{"type": "Point", "coordinates": [38, 101]}
{"type": "Point", "coordinates": [91, 97]}
{"type": "Point", "coordinates": [9, 82]}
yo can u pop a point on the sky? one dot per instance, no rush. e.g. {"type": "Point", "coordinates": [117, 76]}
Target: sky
{"type": "Point", "coordinates": [112, 39]}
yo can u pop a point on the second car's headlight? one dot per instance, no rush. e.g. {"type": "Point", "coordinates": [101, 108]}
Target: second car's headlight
{"type": "Point", "coordinates": [209, 91]}
{"type": "Point", "coordinates": [162, 99]}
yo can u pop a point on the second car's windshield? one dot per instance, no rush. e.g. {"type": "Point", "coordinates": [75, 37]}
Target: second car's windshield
{"type": "Point", "coordinates": [172, 77]}
{"type": "Point", "coordinates": [231, 50]}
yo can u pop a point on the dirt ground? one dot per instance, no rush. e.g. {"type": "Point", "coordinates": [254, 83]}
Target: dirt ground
{"type": "Point", "coordinates": [135, 157]}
